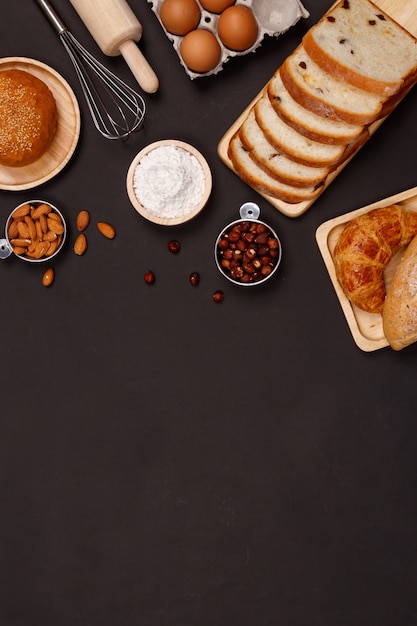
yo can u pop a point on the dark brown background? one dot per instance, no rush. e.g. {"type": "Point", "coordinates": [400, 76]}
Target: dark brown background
{"type": "Point", "coordinates": [166, 461]}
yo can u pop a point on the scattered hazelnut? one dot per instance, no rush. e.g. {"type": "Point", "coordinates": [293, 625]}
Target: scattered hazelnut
{"type": "Point", "coordinates": [218, 296]}
{"type": "Point", "coordinates": [149, 277]}
{"type": "Point", "coordinates": [194, 278]}
{"type": "Point", "coordinates": [174, 246]}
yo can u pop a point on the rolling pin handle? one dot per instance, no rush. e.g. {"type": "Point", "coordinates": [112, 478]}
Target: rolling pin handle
{"type": "Point", "coordinates": [139, 66]}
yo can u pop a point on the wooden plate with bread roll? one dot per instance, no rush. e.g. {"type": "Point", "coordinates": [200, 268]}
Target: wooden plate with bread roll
{"type": "Point", "coordinates": [367, 328]}
{"type": "Point", "coordinates": [324, 102]}
{"type": "Point", "coordinates": [65, 137]}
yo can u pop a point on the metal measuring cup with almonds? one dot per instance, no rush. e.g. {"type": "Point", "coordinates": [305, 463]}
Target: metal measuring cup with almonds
{"type": "Point", "coordinates": [35, 231]}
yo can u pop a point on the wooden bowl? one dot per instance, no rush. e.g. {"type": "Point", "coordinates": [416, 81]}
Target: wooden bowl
{"type": "Point", "coordinates": [165, 219]}
{"type": "Point", "coordinates": [66, 137]}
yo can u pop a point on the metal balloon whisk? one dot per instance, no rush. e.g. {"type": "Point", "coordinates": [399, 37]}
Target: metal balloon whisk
{"type": "Point", "coordinates": [117, 110]}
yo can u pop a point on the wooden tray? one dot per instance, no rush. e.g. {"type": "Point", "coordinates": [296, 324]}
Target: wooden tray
{"type": "Point", "coordinates": [404, 12]}
{"type": "Point", "coordinates": [366, 328]}
{"type": "Point", "coordinates": [66, 136]}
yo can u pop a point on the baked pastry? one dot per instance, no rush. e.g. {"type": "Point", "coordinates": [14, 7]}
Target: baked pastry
{"type": "Point", "coordinates": [28, 118]}
{"type": "Point", "coordinates": [359, 44]}
{"type": "Point", "coordinates": [399, 316]}
{"type": "Point", "coordinates": [320, 106]}
{"type": "Point", "coordinates": [256, 177]}
{"type": "Point", "coordinates": [323, 93]}
{"type": "Point", "coordinates": [295, 145]}
{"type": "Point", "coordinates": [309, 124]}
{"type": "Point", "coordinates": [364, 249]}
{"type": "Point", "coordinates": [275, 162]}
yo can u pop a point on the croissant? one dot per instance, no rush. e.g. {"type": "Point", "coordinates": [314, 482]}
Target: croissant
{"type": "Point", "coordinates": [364, 249]}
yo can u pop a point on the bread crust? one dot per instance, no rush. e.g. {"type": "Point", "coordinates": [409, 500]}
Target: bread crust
{"type": "Point", "coordinates": [274, 162]}
{"type": "Point", "coordinates": [365, 247]}
{"type": "Point", "coordinates": [342, 41]}
{"type": "Point", "coordinates": [317, 103]}
{"type": "Point", "coordinates": [342, 72]}
{"type": "Point", "coordinates": [307, 123]}
{"type": "Point", "coordinates": [399, 315]}
{"type": "Point", "coordinates": [258, 179]}
{"type": "Point", "coordinates": [28, 118]}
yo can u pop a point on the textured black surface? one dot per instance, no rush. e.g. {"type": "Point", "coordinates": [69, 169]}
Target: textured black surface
{"type": "Point", "coordinates": [166, 461]}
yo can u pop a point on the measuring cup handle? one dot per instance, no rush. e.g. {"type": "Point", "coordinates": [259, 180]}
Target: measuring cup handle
{"type": "Point", "coordinates": [5, 249]}
{"type": "Point", "coordinates": [249, 210]}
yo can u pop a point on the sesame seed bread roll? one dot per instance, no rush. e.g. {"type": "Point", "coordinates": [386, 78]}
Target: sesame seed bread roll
{"type": "Point", "coordinates": [399, 315]}
{"type": "Point", "coordinates": [28, 118]}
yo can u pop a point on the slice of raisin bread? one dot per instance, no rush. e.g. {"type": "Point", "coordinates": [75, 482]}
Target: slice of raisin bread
{"type": "Point", "coordinates": [296, 146]}
{"type": "Point", "coordinates": [258, 179]}
{"type": "Point", "coordinates": [274, 162]}
{"type": "Point", "coordinates": [324, 94]}
{"type": "Point", "coordinates": [307, 123]}
{"type": "Point", "coordinates": [358, 43]}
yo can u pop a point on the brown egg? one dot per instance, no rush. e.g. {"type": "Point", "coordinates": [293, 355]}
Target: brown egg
{"type": "Point", "coordinates": [200, 51]}
{"type": "Point", "coordinates": [180, 16]}
{"type": "Point", "coordinates": [216, 6]}
{"type": "Point", "coordinates": [237, 28]}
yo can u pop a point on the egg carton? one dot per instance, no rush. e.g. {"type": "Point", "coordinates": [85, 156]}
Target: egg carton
{"type": "Point", "coordinates": [274, 18]}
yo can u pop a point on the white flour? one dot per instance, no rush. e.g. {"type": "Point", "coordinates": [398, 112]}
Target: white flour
{"type": "Point", "coordinates": [169, 182]}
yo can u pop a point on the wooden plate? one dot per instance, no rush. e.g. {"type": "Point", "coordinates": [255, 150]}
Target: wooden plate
{"type": "Point", "coordinates": [168, 221]}
{"type": "Point", "coordinates": [402, 11]}
{"type": "Point", "coordinates": [66, 136]}
{"type": "Point", "coordinates": [366, 328]}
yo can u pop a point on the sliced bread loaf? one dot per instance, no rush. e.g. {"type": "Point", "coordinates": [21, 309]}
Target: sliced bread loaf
{"type": "Point", "coordinates": [274, 162]}
{"type": "Point", "coordinates": [356, 42]}
{"type": "Point", "coordinates": [322, 93]}
{"type": "Point", "coordinates": [307, 123]}
{"type": "Point", "coordinates": [296, 146]}
{"type": "Point", "coordinates": [258, 179]}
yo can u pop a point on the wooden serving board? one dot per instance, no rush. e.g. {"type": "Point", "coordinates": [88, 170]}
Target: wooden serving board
{"type": "Point", "coordinates": [366, 328]}
{"type": "Point", "coordinates": [66, 137]}
{"type": "Point", "coordinates": [404, 12]}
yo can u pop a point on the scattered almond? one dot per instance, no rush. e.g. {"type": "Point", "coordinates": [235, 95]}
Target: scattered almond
{"type": "Point", "coordinates": [80, 245]}
{"type": "Point", "coordinates": [106, 229]}
{"type": "Point", "coordinates": [48, 277]}
{"type": "Point", "coordinates": [83, 220]}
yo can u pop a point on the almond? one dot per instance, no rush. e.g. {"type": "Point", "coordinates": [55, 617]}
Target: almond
{"type": "Point", "coordinates": [13, 230]}
{"type": "Point", "coordinates": [41, 248]}
{"type": "Point", "coordinates": [80, 245]}
{"type": "Point", "coordinates": [106, 229]}
{"type": "Point", "coordinates": [49, 236]}
{"type": "Point", "coordinates": [21, 211]}
{"type": "Point", "coordinates": [24, 231]}
{"type": "Point", "coordinates": [53, 245]}
{"type": "Point", "coordinates": [32, 228]}
{"type": "Point", "coordinates": [55, 224]}
{"type": "Point", "coordinates": [48, 277]}
{"type": "Point", "coordinates": [21, 243]}
{"type": "Point", "coordinates": [83, 220]}
{"type": "Point", "coordinates": [42, 209]}
{"type": "Point", "coordinates": [19, 250]}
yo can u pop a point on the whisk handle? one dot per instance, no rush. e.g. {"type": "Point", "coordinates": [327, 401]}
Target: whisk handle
{"type": "Point", "coordinates": [52, 15]}
{"type": "Point", "coordinates": [139, 66]}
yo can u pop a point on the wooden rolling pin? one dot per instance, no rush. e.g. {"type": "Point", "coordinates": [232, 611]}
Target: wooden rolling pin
{"type": "Point", "coordinates": [116, 30]}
